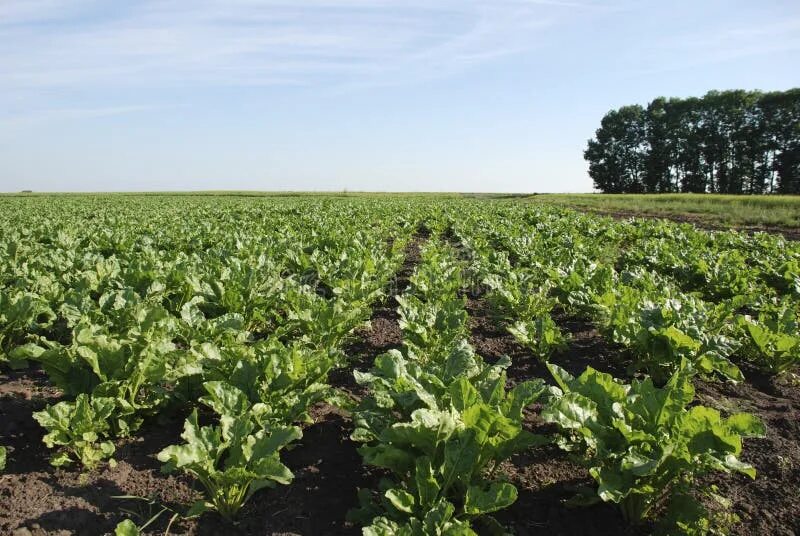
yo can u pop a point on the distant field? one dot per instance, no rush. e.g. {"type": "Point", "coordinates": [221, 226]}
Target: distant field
{"type": "Point", "coordinates": [779, 212]}
{"type": "Point", "coordinates": [734, 210]}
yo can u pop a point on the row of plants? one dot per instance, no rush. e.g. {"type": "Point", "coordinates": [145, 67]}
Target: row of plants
{"type": "Point", "coordinates": [131, 333]}
{"type": "Point", "coordinates": [645, 443]}
{"type": "Point", "coordinates": [532, 267]}
{"type": "Point", "coordinates": [438, 420]}
{"type": "Point", "coordinates": [259, 395]}
{"type": "Point", "coordinates": [249, 328]}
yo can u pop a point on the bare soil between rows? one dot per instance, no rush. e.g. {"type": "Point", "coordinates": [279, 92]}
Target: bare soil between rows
{"type": "Point", "coordinates": [546, 478]}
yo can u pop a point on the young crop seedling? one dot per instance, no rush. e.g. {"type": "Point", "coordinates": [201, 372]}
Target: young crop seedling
{"type": "Point", "coordinates": [448, 424]}
{"type": "Point", "coordinates": [80, 427]}
{"type": "Point", "coordinates": [233, 459]}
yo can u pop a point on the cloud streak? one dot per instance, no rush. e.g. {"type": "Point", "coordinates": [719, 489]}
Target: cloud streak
{"type": "Point", "coordinates": [79, 44]}
{"type": "Point", "coordinates": [59, 114]}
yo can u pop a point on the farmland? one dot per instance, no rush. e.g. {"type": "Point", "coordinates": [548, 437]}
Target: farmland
{"type": "Point", "coordinates": [774, 212]}
{"type": "Point", "coordinates": [393, 365]}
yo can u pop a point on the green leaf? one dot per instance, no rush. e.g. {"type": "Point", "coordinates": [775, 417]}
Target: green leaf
{"type": "Point", "coordinates": [498, 495]}
{"type": "Point", "coordinates": [126, 528]}
{"type": "Point", "coordinates": [461, 455]}
{"type": "Point", "coordinates": [402, 500]}
{"type": "Point", "coordinates": [198, 508]}
{"type": "Point", "coordinates": [463, 394]}
{"type": "Point", "coordinates": [521, 396]}
{"type": "Point", "coordinates": [734, 464]}
{"type": "Point", "coordinates": [571, 411]}
{"type": "Point", "coordinates": [563, 378]}
{"type": "Point", "coordinates": [390, 457]}
{"type": "Point", "coordinates": [383, 527]}
{"type": "Point", "coordinates": [61, 459]}
{"type": "Point", "coordinates": [427, 486]}
{"type": "Point", "coordinates": [746, 425]}
{"type": "Point", "coordinates": [273, 470]}
{"type": "Point", "coordinates": [225, 399]}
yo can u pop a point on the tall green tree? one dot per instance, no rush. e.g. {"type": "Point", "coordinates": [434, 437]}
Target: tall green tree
{"type": "Point", "coordinates": [781, 113]}
{"type": "Point", "coordinates": [617, 153]}
{"type": "Point", "coordinates": [736, 142]}
{"type": "Point", "coordinates": [658, 160]}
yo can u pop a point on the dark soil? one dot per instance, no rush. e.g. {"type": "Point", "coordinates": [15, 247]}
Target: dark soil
{"type": "Point", "coordinates": [383, 331]}
{"type": "Point", "coordinates": [328, 473]}
{"type": "Point", "coordinates": [39, 499]}
{"type": "Point", "coordinates": [585, 346]}
{"type": "Point", "coordinates": [326, 465]}
{"type": "Point", "coordinates": [770, 504]}
{"type": "Point", "coordinates": [545, 478]}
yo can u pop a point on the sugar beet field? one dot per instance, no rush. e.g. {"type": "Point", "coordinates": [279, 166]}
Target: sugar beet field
{"type": "Point", "coordinates": [391, 366]}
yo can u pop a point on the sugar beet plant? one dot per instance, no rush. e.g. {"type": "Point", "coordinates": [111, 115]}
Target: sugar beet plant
{"type": "Point", "coordinates": [262, 390]}
{"type": "Point", "coordinates": [81, 428]}
{"type": "Point", "coordinates": [235, 458]}
{"type": "Point", "coordinates": [664, 291]}
{"type": "Point", "coordinates": [644, 445]}
{"type": "Point", "coordinates": [773, 337]}
{"type": "Point", "coordinates": [438, 418]}
{"type": "Point", "coordinates": [519, 298]}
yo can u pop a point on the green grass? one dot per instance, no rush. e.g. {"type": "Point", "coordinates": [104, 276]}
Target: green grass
{"type": "Point", "coordinates": [734, 210]}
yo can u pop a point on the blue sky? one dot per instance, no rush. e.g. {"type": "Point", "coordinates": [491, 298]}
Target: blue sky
{"type": "Point", "coordinates": [485, 95]}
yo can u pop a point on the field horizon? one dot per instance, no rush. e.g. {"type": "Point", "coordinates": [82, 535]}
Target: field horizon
{"type": "Point", "coordinates": [772, 213]}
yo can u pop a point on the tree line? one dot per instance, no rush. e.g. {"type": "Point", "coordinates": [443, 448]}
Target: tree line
{"type": "Point", "coordinates": [734, 142]}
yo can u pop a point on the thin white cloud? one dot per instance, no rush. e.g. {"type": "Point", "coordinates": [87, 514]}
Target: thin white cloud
{"type": "Point", "coordinates": [24, 11]}
{"type": "Point", "coordinates": [59, 114]}
{"type": "Point", "coordinates": [87, 45]}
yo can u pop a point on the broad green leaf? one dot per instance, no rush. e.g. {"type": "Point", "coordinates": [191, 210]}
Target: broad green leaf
{"type": "Point", "coordinates": [402, 500]}
{"type": "Point", "coordinates": [746, 425]}
{"type": "Point", "coordinates": [498, 495]}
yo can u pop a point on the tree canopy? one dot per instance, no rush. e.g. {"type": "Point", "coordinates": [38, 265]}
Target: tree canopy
{"type": "Point", "coordinates": [734, 142]}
